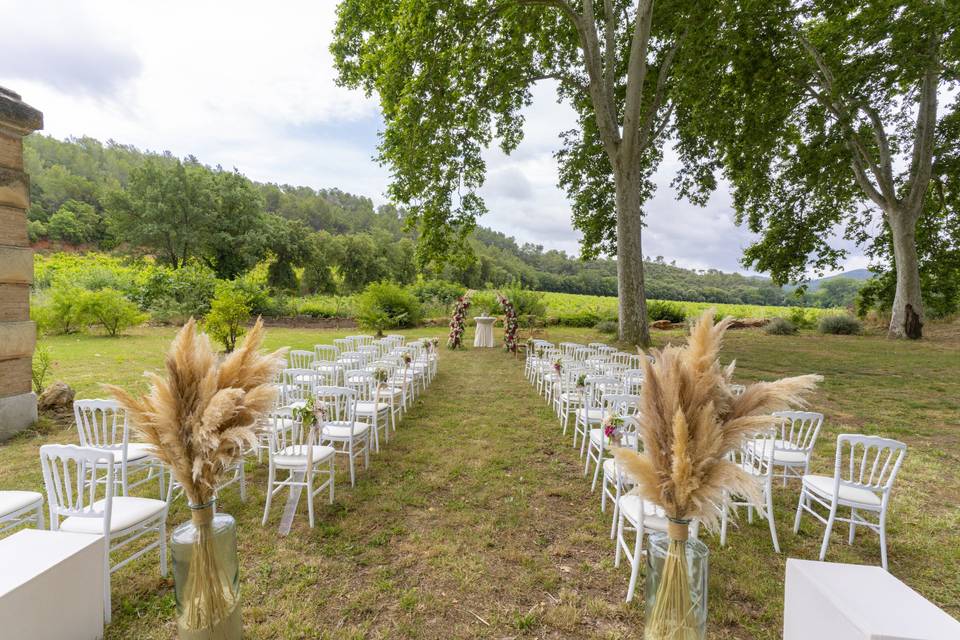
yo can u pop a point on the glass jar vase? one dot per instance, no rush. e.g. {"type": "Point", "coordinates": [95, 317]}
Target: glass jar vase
{"type": "Point", "coordinates": [676, 588]}
{"type": "Point", "coordinates": [206, 576]}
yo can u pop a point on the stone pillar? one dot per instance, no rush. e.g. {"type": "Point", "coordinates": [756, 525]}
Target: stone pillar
{"type": "Point", "coordinates": [18, 335]}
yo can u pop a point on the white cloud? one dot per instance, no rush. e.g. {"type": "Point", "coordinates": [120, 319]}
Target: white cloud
{"type": "Point", "coordinates": [251, 85]}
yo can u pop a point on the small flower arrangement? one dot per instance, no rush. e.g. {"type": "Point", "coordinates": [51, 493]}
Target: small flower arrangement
{"type": "Point", "coordinates": [380, 376]}
{"type": "Point", "coordinates": [558, 365]}
{"type": "Point", "coordinates": [310, 414]}
{"type": "Point", "coordinates": [613, 428]}
{"type": "Point", "coordinates": [540, 353]}
{"type": "Point", "coordinates": [581, 381]}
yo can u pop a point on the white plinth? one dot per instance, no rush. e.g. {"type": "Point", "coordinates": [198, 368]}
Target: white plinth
{"type": "Point", "coordinates": [833, 601]}
{"type": "Point", "coordinates": [51, 585]}
{"type": "Point", "coordinates": [484, 335]}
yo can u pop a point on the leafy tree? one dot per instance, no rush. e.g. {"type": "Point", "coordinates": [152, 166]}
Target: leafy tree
{"type": "Point", "coordinates": [289, 242]}
{"type": "Point", "coordinates": [384, 305]}
{"type": "Point", "coordinates": [837, 292]}
{"type": "Point", "coordinates": [63, 311]}
{"type": "Point", "coordinates": [452, 76]}
{"type": "Point", "coordinates": [232, 238]}
{"type": "Point", "coordinates": [111, 310]}
{"type": "Point", "coordinates": [318, 271]}
{"type": "Point", "coordinates": [831, 117]}
{"type": "Point", "coordinates": [229, 315]}
{"type": "Point", "coordinates": [166, 207]}
{"type": "Point", "coordinates": [75, 222]}
{"type": "Point", "coordinates": [361, 261]}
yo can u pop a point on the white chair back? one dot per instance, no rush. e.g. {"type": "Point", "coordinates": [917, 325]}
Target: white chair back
{"type": "Point", "coordinates": [340, 404]}
{"type": "Point", "coordinates": [868, 462]}
{"type": "Point", "coordinates": [69, 493]}
{"type": "Point", "coordinates": [299, 384]}
{"type": "Point", "coordinates": [101, 423]}
{"type": "Point", "coordinates": [301, 359]}
{"type": "Point", "coordinates": [325, 352]}
{"type": "Point", "coordinates": [798, 429]}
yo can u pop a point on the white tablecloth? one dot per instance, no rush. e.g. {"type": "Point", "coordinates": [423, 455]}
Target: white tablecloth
{"type": "Point", "coordinates": [51, 585]}
{"type": "Point", "coordinates": [834, 601]}
{"type": "Point", "coordinates": [484, 335]}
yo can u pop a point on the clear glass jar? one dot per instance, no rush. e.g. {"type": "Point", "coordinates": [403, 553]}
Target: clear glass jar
{"type": "Point", "coordinates": [693, 625]}
{"type": "Point", "coordinates": [206, 575]}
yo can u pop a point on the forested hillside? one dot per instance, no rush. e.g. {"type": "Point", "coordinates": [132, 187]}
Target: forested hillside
{"type": "Point", "coordinates": [114, 197]}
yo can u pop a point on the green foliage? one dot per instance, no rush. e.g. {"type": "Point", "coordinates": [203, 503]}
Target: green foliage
{"type": "Point", "coordinates": [384, 305]}
{"type": "Point", "coordinates": [606, 326]}
{"type": "Point", "coordinates": [36, 230]}
{"type": "Point", "coordinates": [229, 315]}
{"type": "Point", "coordinates": [484, 303]}
{"type": "Point", "coordinates": [527, 304]}
{"type": "Point", "coordinates": [76, 223]}
{"type": "Point", "coordinates": [802, 318]}
{"type": "Point", "coordinates": [841, 325]}
{"type": "Point", "coordinates": [61, 310]}
{"type": "Point", "coordinates": [40, 367]}
{"type": "Point", "coordinates": [325, 307]}
{"type": "Point", "coordinates": [780, 327]}
{"type": "Point", "coordinates": [660, 310]}
{"type": "Point", "coordinates": [437, 291]}
{"type": "Point", "coordinates": [111, 310]}
{"type": "Point", "coordinates": [174, 295]}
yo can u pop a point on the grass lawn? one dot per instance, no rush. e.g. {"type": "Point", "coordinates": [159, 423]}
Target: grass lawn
{"type": "Point", "coordinates": [475, 521]}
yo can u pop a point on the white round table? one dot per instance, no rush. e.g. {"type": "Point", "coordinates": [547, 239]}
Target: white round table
{"type": "Point", "coordinates": [484, 335]}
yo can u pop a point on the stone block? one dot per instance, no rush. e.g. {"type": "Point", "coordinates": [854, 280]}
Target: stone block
{"type": "Point", "coordinates": [14, 302]}
{"type": "Point", "coordinates": [14, 188]}
{"type": "Point", "coordinates": [15, 376]}
{"type": "Point", "coordinates": [17, 413]}
{"type": "Point", "coordinates": [11, 151]}
{"type": "Point", "coordinates": [17, 339]}
{"type": "Point", "coordinates": [13, 226]}
{"type": "Point", "coordinates": [16, 265]}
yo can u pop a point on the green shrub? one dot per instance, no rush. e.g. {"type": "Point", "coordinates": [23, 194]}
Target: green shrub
{"type": "Point", "coordinates": [36, 230]}
{"type": "Point", "coordinates": [483, 303]}
{"type": "Point", "coordinates": [841, 325]}
{"type": "Point", "coordinates": [780, 327]}
{"type": "Point", "coordinates": [582, 318]}
{"type": "Point", "coordinates": [111, 310]}
{"type": "Point", "coordinates": [606, 326]}
{"type": "Point", "coordinates": [325, 307]}
{"type": "Point", "coordinates": [803, 318]}
{"type": "Point", "coordinates": [661, 310]}
{"type": "Point", "coordinates": [229, 315]}
{"type": "Point", "coordinates": [384, 305]}
{"type": "Point", "coordinates": [62, 310]}
{"type": "Point", "coordinates": [439, 291]}
{"type": "Point", "coordinates": [173, 295]}
{"type": "Point", "coordinates": [525, 301]}
{"type": "Point", "coordinates": [40, 368]}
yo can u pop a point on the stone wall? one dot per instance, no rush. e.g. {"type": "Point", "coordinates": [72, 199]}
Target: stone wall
{"type": "Point", "coordinates": [18, 404]}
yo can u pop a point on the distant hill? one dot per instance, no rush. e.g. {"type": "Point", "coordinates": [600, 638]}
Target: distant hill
{"type": "Point", "coordinates": [854, 274]}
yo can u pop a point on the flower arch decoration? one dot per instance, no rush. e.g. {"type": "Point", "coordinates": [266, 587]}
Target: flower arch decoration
{"type": "Point", "coordinates": [455, 339]}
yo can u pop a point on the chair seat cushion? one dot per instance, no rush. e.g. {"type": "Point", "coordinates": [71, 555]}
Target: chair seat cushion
{"type": "Point", "coordinates": [296, 455]}
{"type": "Point", "coordinates": [135, 451]}
{"type": "Point", "coordinates": [11, 501]}
{"type": "Point", "coordinates": [654, 517]}
{"type": "Point", "coordinates": [784, 453]}
{"type": "Point", "coordinates": [591, 415]}
{"type": "Point", "coordinates": [341, 430]}
{"type": "Point", "coordinates": [823, 486]}
{"type": "Point", "coordinates": [125, 512]}
{"type": "Point", "coordinates": [367, 407]}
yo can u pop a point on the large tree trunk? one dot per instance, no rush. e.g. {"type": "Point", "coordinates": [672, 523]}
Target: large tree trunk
{"type": "Point", "coordinates": [906, 320]}
{"type": "Point", "coordinates": [630, 287]}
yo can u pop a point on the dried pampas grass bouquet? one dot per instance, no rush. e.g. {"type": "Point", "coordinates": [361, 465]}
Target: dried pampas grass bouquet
{"type": "Point", "coordinates": [690, 422]}
{"type": "Point", "coordinates": [199, 419]}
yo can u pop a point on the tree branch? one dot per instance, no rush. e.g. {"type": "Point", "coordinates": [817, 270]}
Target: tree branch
{"type": "Point", "coordinates": [651, 115]}
{"type": "Point", "coordinates": [609, 49]}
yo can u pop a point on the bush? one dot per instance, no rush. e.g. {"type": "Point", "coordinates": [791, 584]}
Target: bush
{"type": "Point", "coordinates": [606, 326]}
{"type": "Point", "coordinates": [661, 310]}
{"type": "Point", "coordinates": [36, 230]}
{"type": "Point", "coordinates": [483, 303]}
{"type": "Point", "coordinates": [61, 311]}
{"type": "Point", "coordinates": [526, 302]}
{"type": "Point", "coordinates": [384, 305]}
{"type": "Point", "coordinates": [439, 291]}
{"type": "Point", "coordinates": [325, 307]}
{"type": "Point", "coordinates": [173, 295]}
{"type": "Point", "coordinates": [582, 318]}
{"type": "Point", "coordinates": [841, 325]}
{"type": "Point", "coordinates": [780, 327]}
{"type": "Point", "coordinates": [111, 310]}
{"type": "Point", "coordinates": [803, 318]}
{"type": "Point", "coordinates": [229, 315]}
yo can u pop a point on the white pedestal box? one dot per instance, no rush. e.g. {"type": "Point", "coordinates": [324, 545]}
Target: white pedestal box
{"type": "Point", "coordinates": [51, 585]}
{"type": "Point", "coordinates": [834, 601]}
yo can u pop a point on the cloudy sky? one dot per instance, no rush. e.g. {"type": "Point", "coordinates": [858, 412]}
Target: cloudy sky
{"type": "Point", "coordinates": [251, 85]}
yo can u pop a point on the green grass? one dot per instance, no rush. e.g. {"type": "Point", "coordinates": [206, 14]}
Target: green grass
{"type": "Point", "coordinates": [475, 521]}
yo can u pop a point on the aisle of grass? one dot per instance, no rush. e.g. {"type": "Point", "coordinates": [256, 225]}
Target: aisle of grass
{"type": "Point", "coordinates": [475, 521]}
